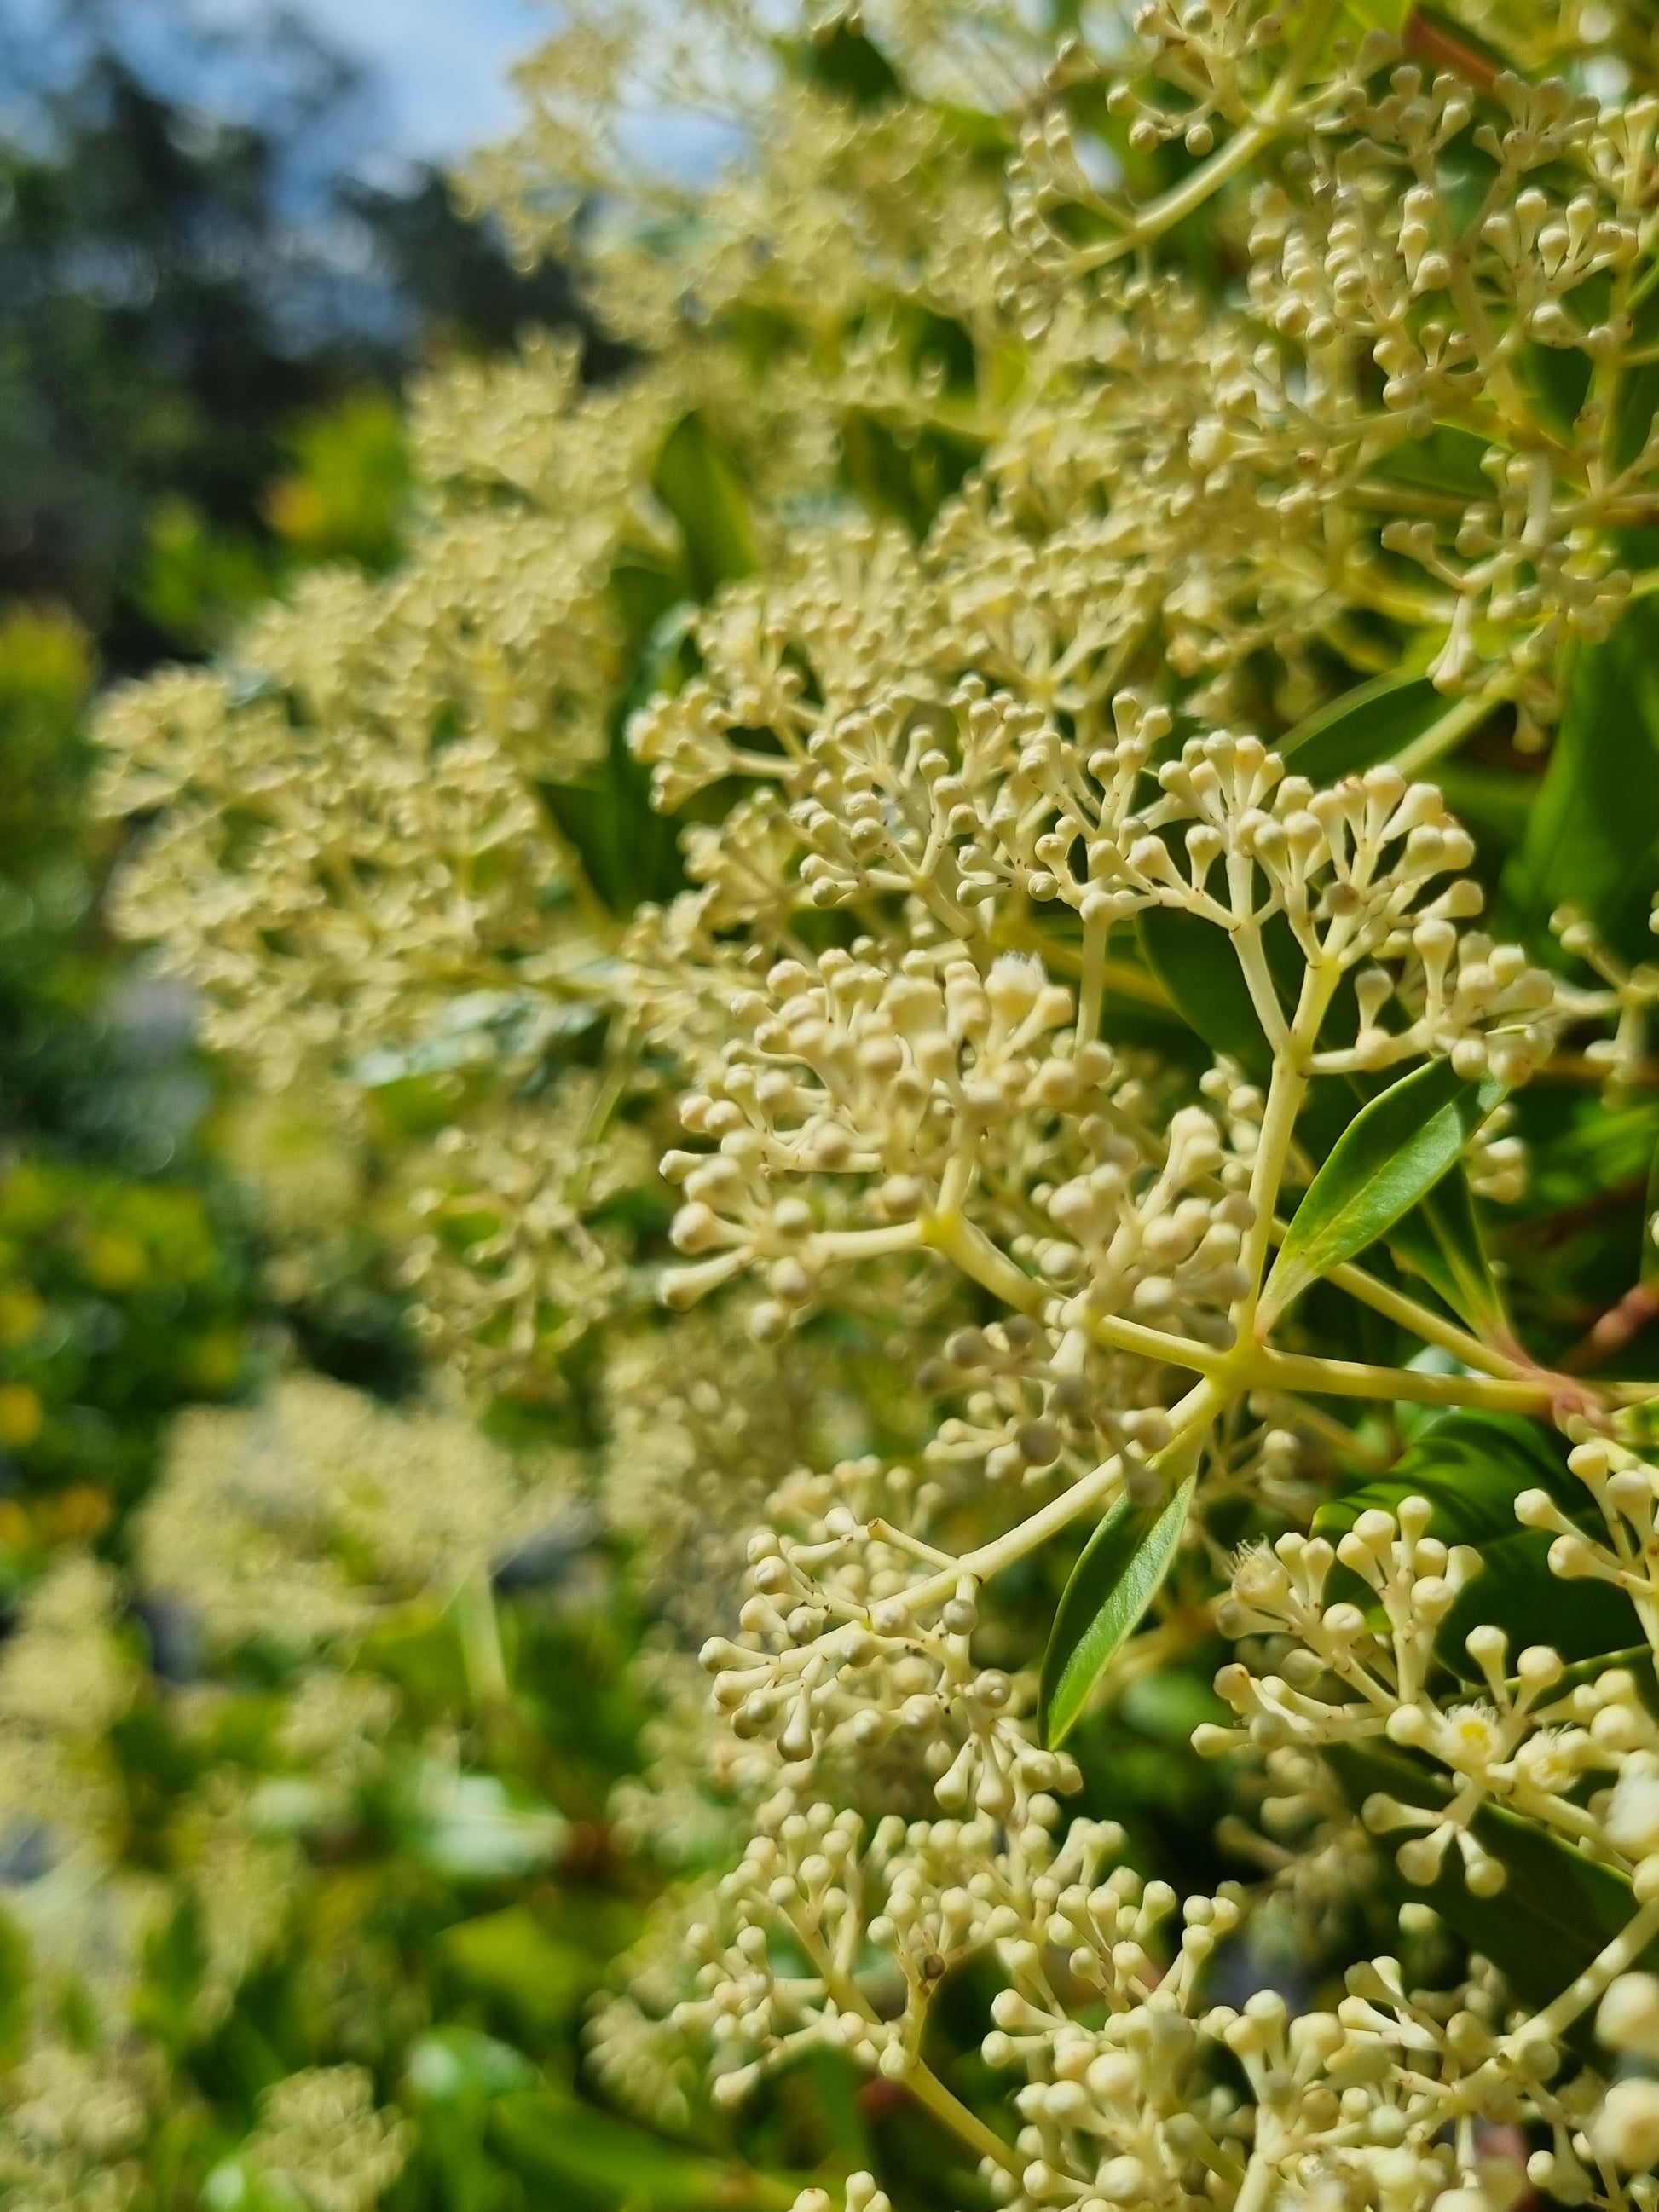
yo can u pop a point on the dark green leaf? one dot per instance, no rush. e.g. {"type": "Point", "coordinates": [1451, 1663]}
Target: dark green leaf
{"type": "Point", "coordinates": [1593, 838]}
{"type": "Point", "coordinates": [1515, 1591]}
{"type": "Point", "coordinates": [1648, 1273]}
{"type": "Point", "coordinates": [1440, 1240]}
{"type": "Point", "coordinates": [1369, 724]}
{"type": "Point", "coordinates": [1386, 1161]}
{"type": "Point", "coordinates": [699, 487]}
{"type": "Point", "coordinates": [1119, 1574]}
{"type": "Point", "coordinates": [847, 63]}
{"type": "Point", "coordinates": [1471, 1466]}
{"type": "Point", "coordinates": [1557, 1908]}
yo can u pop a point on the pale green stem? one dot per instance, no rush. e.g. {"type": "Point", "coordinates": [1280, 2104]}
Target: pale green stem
{"type": "Point", "coordinates": [1351, 1378]}
{"type": "Point", "coordinates": [919, 2077]}
{"type": "Point", "coordinates": [1432, 1328]}
{"type": "Point", "coordinates": [1188, 1416]}
{"type": "Point", "coordinates": [481, 1643]}
{"type": "Point", "coordinates": [1286, 1092]}
{"type": "Point", "coordinates": [1096, 935]}
{"type": "Point", "coordinates": [1241, 149]}
{"type": "Point", "coordinates": [1625, 1949]}
{"type": "Point", "coordinates": [927, 2089]}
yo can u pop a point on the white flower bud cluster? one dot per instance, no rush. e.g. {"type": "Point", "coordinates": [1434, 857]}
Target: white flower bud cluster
{"type": "Point", "coordinates": [324, 830]}
{"type": "Point", "coordinates": [851, 605]}
{"type": "Point", "coordinates": [851, 1072]}
{"type": "Point", "coordinates": [848, 1644]}
{"type": "Point", "coordinates": [1216, 55]}
{"type": "Point", "coordinates": [889, 1006]}
{"type": "Point", "coordinates": [861, 2195]}
{"type": "Point", "coordinates": [1345, 1680]}
{"type": "Point", "coordinates": [1625, 1490]}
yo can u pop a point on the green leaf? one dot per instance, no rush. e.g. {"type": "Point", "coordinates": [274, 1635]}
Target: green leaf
{"type": "Point", "coordinates": [459, 2064]}
{"type": "Point", "coordinates": [1119, 1574]}
{"type": "Point", "coordinates": [1440, 1240]}
{"type": "Point", "coordinates": [592, 2157]}
{"type": "Point", "coordinates": [1471, 1466]}
{"type": "Point", "coordinates": [1556, 1911]}
{"type": "Point", "coordinates": [1515, 1591]}
{"type": "Point", "coordinates": [1388, 1159]}
{"type": "Point", "coordinates": [699, 487]}
{"type": "Point", "coordinates": [1369, 724]}
{"type": "Point", "coordinates": [847, 62]}
{"type": "Point", "coordinates": [509, 1956]}
{"type": "Point", "coordinates": [1593, 838]}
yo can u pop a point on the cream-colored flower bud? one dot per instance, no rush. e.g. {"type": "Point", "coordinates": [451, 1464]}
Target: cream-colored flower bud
{"type": "Point", "coordinates": [1628, 2019]}
{"type": "Point", "coordinates": [1626, 2131]}
{"type": "Point", "coordinates": [1632, 1819]}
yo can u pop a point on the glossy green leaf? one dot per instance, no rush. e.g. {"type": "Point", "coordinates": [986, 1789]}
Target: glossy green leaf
{"type": "Point", "coordinates": [1515, 1591]}
{"type": "Point", "coordinates": [1440, 1240]}
{"type": "Point", "coordinates": [699, 487]}
{"type": "Point", "coordinates": [1593, 837]}
{"type": "Point", "coordinates": [1388, 1159]}
{"type": "Point", "coordinates": [1369, 724]}
{"type": "Point", "coordinates": [1471, 1466]}
{"type": "Point", "coordinates": [1119, 1574]}
{"type": "Point", "coordinates": [1556, 1911]}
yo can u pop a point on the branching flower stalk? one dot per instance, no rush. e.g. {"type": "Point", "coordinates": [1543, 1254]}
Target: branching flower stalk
{"type": "Point", "coordinates": [1069, 497]}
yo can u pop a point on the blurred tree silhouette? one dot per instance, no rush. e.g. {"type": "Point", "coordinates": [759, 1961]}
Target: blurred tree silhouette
{"type": "Point", "coordinates": [178, 290]}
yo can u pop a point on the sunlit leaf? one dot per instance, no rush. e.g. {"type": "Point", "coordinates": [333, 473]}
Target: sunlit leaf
{"type": "Point", "coordinates": [1386, 1161]}
{"type": "Point", "coordinates": [1119, 1574]}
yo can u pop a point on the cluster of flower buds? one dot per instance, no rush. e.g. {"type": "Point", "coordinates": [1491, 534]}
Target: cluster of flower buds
{"type": "Point", "coordinates": [865, 1636]}
{"type": "Point", "coordinates": [1042, 1403]}
{"type": "Point", "coordinates": [1625, 1489]}
{"type": "Point", "coordinates": [856, 1084]}
{"type": "Point", "coordinates": [875, 1923]}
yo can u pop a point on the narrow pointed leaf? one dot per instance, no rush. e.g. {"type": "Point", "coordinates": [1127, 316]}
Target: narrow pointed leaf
{"type": "Point", "coordinates": [1440, 1240]}
{"type": "Point", "coordinates": [1515, 1591]}
{"type": "Point", "coordinates": [1370, 723]}
{"type": "Point", "coordinates": [1120, 1573]}
{"type": "Point", "coordinates": [697, 484]}
{"type": "Point", "coordinates": [1471, 1465]}
{"type": "Point", "coordinates": [1385, 1162]}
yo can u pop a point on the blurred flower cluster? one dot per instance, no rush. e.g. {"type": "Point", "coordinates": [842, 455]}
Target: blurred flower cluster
{"type": "Point", "coordinates": [983, 937]}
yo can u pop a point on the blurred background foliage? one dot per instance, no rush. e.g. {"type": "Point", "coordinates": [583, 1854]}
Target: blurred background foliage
{"type": "Point", "coordinates": [205, 321]}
